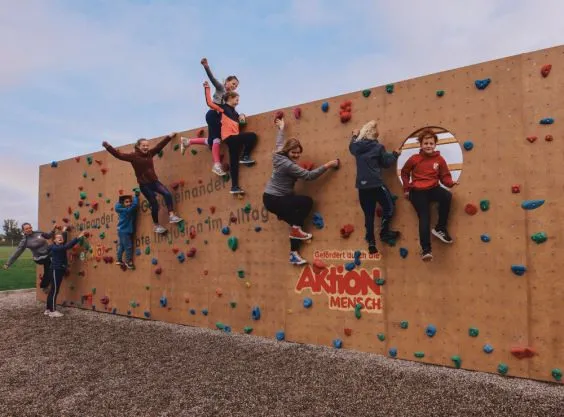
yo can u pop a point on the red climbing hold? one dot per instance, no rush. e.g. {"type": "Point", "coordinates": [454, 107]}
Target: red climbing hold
{"type": "Point", "coordinates": [69, 210]}
{"type": "Point", "coordinates": [186, 300]}
{"type": "Point", "coordinates": [77, 158]}
{"type": "Point", "coordinates": [80, 188]}
{"type": "Point", "coordinates": [219, 292]}
{"type": "Point", "coordinates": [158, 271]}
{"type": "Point", "coordinates": [86, 235]}
{"type": "Point", "coordinates": [104, 171]}
{"type": "Point", "coordinates": [346, 230]}
{"type": "Point", "coordinates": [278, 115]}
{"type": "Point", "coordinates": [201, 133]}
{"type": "Point", "coordinates": [307, 165]}
{"type": "Point", "coordinates": [200, 182]}
{"type": "Point", "coordinates": [120, 192]}
{"type": "Point", "coordinates": [233, 219]}
{"type": "Point", "coordinates": [108, 259]}
{"type": "Point", "coordinates": [80, 203]}
{"type": "Point", "coordinates": [531, 138]}
{"type": "Point", "coordinates": [345, 116]}
{"type": "Point", "coordinates": [348, 331]}
{"type": "Point", "coordinates": [94, 205]}
{"type": "Point", "coordinates": [318, 266]}
{"type": "Point", "coordinates": [470, 209]}
{"type": "Point", "coordinates": [297, 112]}
{"type": "Point", "coordinates": [105, 300]}
{"type": "Point", "coordinates": [548, 138]}
{"type": "Point", "coordinates": [191, 253]}
{"type": "Point", "coordinates": [181, 182]}
{"type": "Point", "coordinates": [80, 273]}
{"type": "Point", "coordinates": [205, 272]}
{"type": "Point", "coordinates": [193, 234]}
{"type": "Point", "coordinates": [65, 220]}
{"type": "Point", "coordinates": [175, 250]}
{"type": "Point", "coordinates": [212, 209]}
{"type": "Point", "coordinates": [545, 70]}
{"type": "Point", "coordinates": [346, 111]}
{"type": "Point", "coordinates": [515, 188]}
{"type": "Point", "coordinates": [98, 258]}
{"type": "Point", "coordinates": [98, 161]}
{"type": "Point", "coordinates": [523, 352]}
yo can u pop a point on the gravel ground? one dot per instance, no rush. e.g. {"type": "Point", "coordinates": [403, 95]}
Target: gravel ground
{"type": "Point", "coordinates": [94, 364]}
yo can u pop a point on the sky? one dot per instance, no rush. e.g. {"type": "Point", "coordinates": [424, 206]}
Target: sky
{"type": "Point", "coordinates": [76, 72]}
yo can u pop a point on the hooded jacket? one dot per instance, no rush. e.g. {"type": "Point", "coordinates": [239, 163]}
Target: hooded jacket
{"type": "Point", "coordinates": [370, 156]}
{"type": "Point", "coordinates": [142, 163]}
{"type": "Point", "coordinates": [126, 221]}
{"type": "Point", "coordinates": [59, 259]}
{"type": "Point", "coordinates": [423, 172]}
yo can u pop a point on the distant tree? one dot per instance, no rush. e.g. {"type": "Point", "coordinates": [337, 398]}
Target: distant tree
{"type": "Point", "coordinates": [12, 231]}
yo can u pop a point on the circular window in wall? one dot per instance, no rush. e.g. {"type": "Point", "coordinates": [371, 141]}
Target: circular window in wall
{"type": "Point", "coordinates": [447, 145]}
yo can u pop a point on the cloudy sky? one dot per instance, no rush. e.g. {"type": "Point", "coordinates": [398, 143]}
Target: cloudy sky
{"type": "Point", "coordinates": [77, 72]}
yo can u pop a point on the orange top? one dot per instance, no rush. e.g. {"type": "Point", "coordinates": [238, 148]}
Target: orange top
{"type": "Point", "coordinates": [229, 116]}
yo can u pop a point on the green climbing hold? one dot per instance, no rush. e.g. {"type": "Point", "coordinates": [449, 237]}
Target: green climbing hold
{"type": "Point", "coordinates": [247, 329]}
{"type": "Point", "coordinates": [91, 211]}
{"type": "Point", "coordinates": [389, 88]}
{"type": "Point", "coordinates": [485, 205]}
{"type": "Point", "coordinates": [220, 325]}
{"type": "Point", "coordinates": [100, 195]}
{"type": "Point", "coordinates": [457, 361]}
{"type": "Point", "coordinates": [440, 93]}
{"type": "Point", "coordinates": [102, 235]}
{"type": "Point", "coordinates": [233, 243]}
{"type": "Point", "coordinates": [187, 241]}
{"type": "Point", "coordinates": [539, 237]}
{"type": "Point", "coordinates": [502, 368]}
{"type": "Point", "coordinates": [557, 374]}
{"type": "Point", "coordinates": [381, 337]}
{"type": "Point", "coordinates": [160, 154]}
{"type": "Point", "coordinates": [233, 304]}
{"type": "Point", "coordinates": [176, 147]}
{"type": "Point", "coordinates": [473, 332]}
{"type": "Point", "coordinates": [133, 303]}
{"type": "Point", "coordinates": [89, 160]}
{"type": "Point", "coordinates": [380, 281]}
{"type": "Point", "coordinates": [366, 92]}
{"type": "Point", "coordinates": [404, 324]}
{"type": "Point", "coordinates": [82, 195]}
{"type": "Point", "coordinates": [93, 291]}
{"type": "Point", "coordinates": [76, 215]}
{"type": "Point", "coordinates": [419, 354]}
{"type": "Point", "coordinates": [84, 174]}
{"type": "Point", "coordinates": [193, 151]}
{"type": "Point", "coordinates": [181, 226]}
{"type": "Point", "coordinates": [357, 309]}
{"type": "Point", "coordinates": [108, 201]}
{"type": "Point", "coordinates": [241, 273]}
{"type": "Point", "coordinates": [147, 250]}
{"type": "Point", "coordinates": [247, 208]}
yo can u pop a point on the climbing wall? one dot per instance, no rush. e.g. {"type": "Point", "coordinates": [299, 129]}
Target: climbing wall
{"type": "Point", "coordinates": [491, 302]}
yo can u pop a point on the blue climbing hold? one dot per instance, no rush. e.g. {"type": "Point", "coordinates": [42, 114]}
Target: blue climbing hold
{"type": "Point", "coordinates": [431, 330]}
{"type": "Point", "coordinates": [546, 121]}
{"type": "Point", "coordinates": [349, 266]}
{"type": "Point", "coordinates": [308, 302]}
{"type": "Point", "coordinates": [199, 210]}
{"type": "Point", "coordinates": [147, 314]}
{"type": "Point", "coordinates": [226, 230]}
{"type": "Point", "coordinates": [227, 329]}
{"type": "Point", "coordinates": [317, 220]}
{"type": "Point", "coordinates": [337, 343]}
{"type": "Point", "coordinates": [403, 252]}
{"type": "Point", "coordinates": [518, 269]}
{"type": "Point", "coordinates": [181, 257]}
{"type": "Point", "coordinates": [393, 352]}
{"type": "Point", "coordinates": [192, 311]}
{"type": "Point", "coordinates": [485, 238]}
{"type": "Point", "coordinates": [129, 312]}
{"type": "Point", "coordinates": [114, 310]}
{"type": "Point", "coordinates": [468, 145]}
{"type": "Point", "coordinates": [154, 261]}
{"type": "Point", "coordinates": [488, 348]}
{"type": "Point", "coordinates": [137, 252]}
{"type": "Point", "coordinates": [205, 311]}
{"type": "Point", "coordinates": [325, 107]}
{"type": "Point", "coordinates": [280, 335]}
{"type": "Point", "coordinates": [532, 204]}
{"type": "Point", "coordinates": [54, 164]}
{"type": "Point", "coordinates": [258, 229]}
{"type": "Point", "coordinates": [481, 84]}
{"type": "Point", "coordinates": [255, 313]}
{"type": "Point", "coordinates": [357, 261]}
{"type": "Point", "coordinates": [163, 301]}
{"type": "Point", "coordinates": [357, 254]}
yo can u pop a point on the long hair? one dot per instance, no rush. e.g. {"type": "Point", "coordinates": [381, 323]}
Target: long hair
{"type": "Point", "coordinates": [290, 145]}
{"type": "Point", "coordinates": [138, 143]}
{"type": "Point", "coordinates": [369, 131]}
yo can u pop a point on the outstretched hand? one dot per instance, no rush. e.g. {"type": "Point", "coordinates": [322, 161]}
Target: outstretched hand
{"type": "Point", "coordinates": [5, 266]}
{"type": "Point", "coordinates": [206, 84]}
{"type": "Point", "coordinates": [279, 123]}
{"type": "Point", "coordinates": [333, 164]}
{"type": "Point", "coordinates": [204, 62]}
{"type": "Point", "coordinates": [105, 144]}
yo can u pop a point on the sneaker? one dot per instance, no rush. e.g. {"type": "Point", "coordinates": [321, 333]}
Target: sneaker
{"type": "Point", "coordinates": [159, 229]}
{"type": "Point", "coordinates": [296, 259]}
{"type": "Point", "coordinates": [298, 234]}
{"type": "Point", "coordinates": [130, 265]}
{"type": "Point", "coordinates": [372, 248]}
{"type": "Point", "coordinates": [426, 255]}
{"type": "Point", "coordinates": [46, 312]}
{"type": "Point", "coordinates": [246, 160]}
{"type": "Point", "coordinates": [174, 219]}
{"type": "Point", "coordinates": [217, 170]}
{"type": "Point", "coordinates": [184, 144]}
{"type": "Point", "coordinates": [119, 263]}
{"type": "Point", "coordinates": [442, 235]}
{"type": "Point", "coordinates": [236, 190]}
{"type": "Point", "coordinates": [56, 314]}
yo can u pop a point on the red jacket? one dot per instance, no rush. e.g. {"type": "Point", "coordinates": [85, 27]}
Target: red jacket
{"type": "Point", "coordinates": [422, 172]}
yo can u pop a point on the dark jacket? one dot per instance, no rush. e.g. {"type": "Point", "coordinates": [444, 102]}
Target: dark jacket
{"type": "Point", "coordinates": [59, 254]}
{"type": "Point", "coordinates": [126, 221]}
{"type": "Point", "coordinates": [370, 156]}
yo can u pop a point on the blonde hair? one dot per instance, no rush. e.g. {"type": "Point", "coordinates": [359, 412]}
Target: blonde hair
{"type": "Point", "coordinates": [369, 131]}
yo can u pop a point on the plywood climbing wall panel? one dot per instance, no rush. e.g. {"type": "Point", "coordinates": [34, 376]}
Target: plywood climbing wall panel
{"type": "Point", "coordinates": [463, 304]}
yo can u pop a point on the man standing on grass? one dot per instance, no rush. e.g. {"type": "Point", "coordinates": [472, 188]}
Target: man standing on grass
{"type": "Point", "coordinates": [38, 243]}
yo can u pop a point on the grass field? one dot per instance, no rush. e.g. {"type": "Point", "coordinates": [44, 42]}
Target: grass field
{"type": "Point", "coordinates": [20, 275]}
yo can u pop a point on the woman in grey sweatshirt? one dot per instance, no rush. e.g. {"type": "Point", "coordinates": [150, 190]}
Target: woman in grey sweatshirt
{"type": "Point", "coordinates": [279, 197]}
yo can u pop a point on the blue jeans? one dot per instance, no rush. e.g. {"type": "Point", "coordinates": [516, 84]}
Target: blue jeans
{"type": "Point", "coordinates": [125, 243]}
{"type": "Point", "coordinates": [150, 192]}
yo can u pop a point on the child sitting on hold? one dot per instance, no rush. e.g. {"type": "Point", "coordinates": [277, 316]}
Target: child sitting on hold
{"type": "Point", "coordinates": [420, 176]}
{"type": "Point", "coordinates": [126, 208]}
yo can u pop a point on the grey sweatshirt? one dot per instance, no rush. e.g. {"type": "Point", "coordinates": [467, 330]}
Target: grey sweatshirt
{"type": "Point", "coordinates": [286, 172]}
{"type": "Point", "coordinates": [219, 88]}
{"type": "Point", "coordinates": [36, 242]}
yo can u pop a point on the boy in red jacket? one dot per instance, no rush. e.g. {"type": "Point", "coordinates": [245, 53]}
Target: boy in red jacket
{"type": "Point", "coordinates": [420, 177]}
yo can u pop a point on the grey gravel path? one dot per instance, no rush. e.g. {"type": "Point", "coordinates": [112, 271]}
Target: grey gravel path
{"type": "Point", "coordinates": [93, 364]}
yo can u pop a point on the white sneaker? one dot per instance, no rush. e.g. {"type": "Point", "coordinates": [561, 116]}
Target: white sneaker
{"type": "Point", "coordinates": [46, 312]}
{"type": "Point", "coordinates": [184, 144]}
{"type": "Point", "coordinates": [159, 229]}
{"type": "Point", "coordinates": [217, 170]}
{"type": "Point", "coordinates": [174, 219]}
{"type": "Point", "coordinates": [56, 314]}
{"type": "Point", "coordinates": [296, 259]}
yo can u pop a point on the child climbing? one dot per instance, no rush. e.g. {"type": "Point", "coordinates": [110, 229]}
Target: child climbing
{"type": "Point", "coordinates": [420, 176]}
{"type": "Point", "coordinates": [213, 119]}
{"type": "Point", "coordinates": [59, 264]}
{"type": "Point", "coordinates": [371, 157]}
{"type": "Point", "coordinates": [279, 197]}
{"type": "Point", "coordinates": [126, 208]}
{"type": "Point", "coordinates": [142, 161]}
{"type": "Point", "coordinates": [230, 134]}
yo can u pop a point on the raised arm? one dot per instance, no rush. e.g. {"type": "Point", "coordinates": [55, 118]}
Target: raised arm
{"type": "Point", "coordinates": [387, 159]}
{"type": "Point", "coordinates": [160, 146]}
{"type": "Point", "coordinates": [279, 134]}
{"type": "Point", "coordinates": [209, 100]}
{"type": "Point", "coordinates": [117, 154]}
{"type": "Point", "coordinates": [218, 86]}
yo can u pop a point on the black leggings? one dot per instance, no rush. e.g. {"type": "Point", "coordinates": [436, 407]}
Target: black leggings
{"type": "Point", "coordinates": [368, 199]}
{"type": "Point", "coordinates": [213, 119]}
{"type": "Point", "coordinates": [150, 191]}
{"type": "Point", "coordinates": [56, 280]}
{"type": "Point", "coordinates": [46, 278]}
{"type": "Point", "coordinates": [293, 209]}
{"type": "Point", "coordinates": [235, 143]}
{"type": "Point", "coordinates": [421, 200]}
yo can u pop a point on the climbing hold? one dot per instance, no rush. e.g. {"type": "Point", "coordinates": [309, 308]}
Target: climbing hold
{"type": "Point", "coordinates": [557, 374]}
{"type": "Point", "coordinates": [297, 113]}
{"type": "Point", "coordinates": [163, 301]}
{"type": "Point", "coordinates": [82, 195]}
{"type": "Point", "coordinates": [549, 138]}
{"type": "Point", "coordinates": [258, 229]}
{"type": "Point", "coordinates": [431, 330]}
{"type": "Point", "coordinates": [366, 93]}
{"type": "Point", "coordinates": [76, 215]}
{"type": "Point", "coordinates": [419, 354]}
{"type": "Point", "coordinates": [147, 314]}
{"type": "Point", "coordinates": [485, 205]}
{"type": "Point", "coordinates": [381, 337]}
{"type": "Point", "coordinates": [470, 209]}
{"type": "Point", "coordinates": [205, 311]}
{"type": "Point", "coordinates": [325, 107]}
{"type": "Point", "coordinates": [516, 189]}
{"type": "Point", "coordinates": [176, 147]}
{"type": "Point", "coordinates": [255, 313]}
{"type": "Point", "coordinates": [148, 250]}
{"type": "Point", "coordinates": [440, 93]}
{"type": "Point", "coordinates": [482, 84]}
{"type": "Point", "coordinates": [193, 233]}
{"type": "Point", "coordinates": [523, 352]}
{"type": "Point", "coordinates": [404, 324]}
{"type": "Point", "coordinates": [232, 242]}
{"type": "Point", "coordinates": [308, 302]}
{"type": "Point", "coordinates": [54, 164]}
{"type": "Point", "coordinates": [350, 266]}
{"type": "Point", "coordinates": [380, 281]}
{"type": "Point", "coordinates": [280, 335]}
{"type": "Point", "coordinates": [227, 329]}
{"type": "Point", "coordinates": [192, 311]}
{"type": "Point", "coordinates": [219, 325]}
{"type": "Point", "coordinates": [225, 230]}
{"type": "Point", "coordinates": [403, 252]}
{"type": "Point", "coordinates": [191, 253]}
{"type": "Point", "coordinates": [247, 208]}
{"type": "Point", "coordinates": [346, 230]}
{"type": "Point", "coordinates": [233, 304]}
{"type": "Point", "coordinates": [468, 145]}
{"type": "Point", "coordinates": [102, 235]}
{"type": "Point", "coordinates": [546, 121]}
{"type": "Point", "coordinates": [317, 220]}
{"type": "Point", "coordinates": [199, 210]}
{"type": "Point", "coordinates": [137, 252]}
{"type": "Point", "coordinates": [518, 269]}
{"type": "Point", "coordinates": [218, 292]}
{"type": "Point", "coordinates": [89, 160]}
{"type": "Point", "coordinates": [357, 312]}
{"type": "Point", "coordinates": [502, 368]}
{"type": "Point", "coordinates": [105, 300]}
{"type": "Point", "coordinates": [147, 287]}
{"type": "Point", "coordinates": [114, 310]}
{"type": "Point", "coordinates": [532, 204]}
{"type": "Point", "coordinates": [357, 254]}
{"type": "Point", "coordinates": [248, 284]}
{"type": "Point", "coordinates": [457, 361]}
{"type": "Point", "coordinates": [389, 88]}
{"type": "Point", "coordinates": [347, 331]}
{"type": "Point", "coordinates": [393, 352]}
{"type": "Point", "coordinates": [247, 329]}
{"type": "Point", "coordinates": [473, 332]}
{"type": "Point", "coordinates": [318, 266]}
{"type": "Point", "coordinates": [545, 70]}
{"type": "Point", "coordinates": [160, 154]}
{"type": "Point", "coordinates": [346, 109]}
{"type": "Point", "coordinates": [532, 139]}
{"type": "Point", "coordinates": [279, 115]}
{"type": "Point", "coordinates": [488, 348]}
{"type": "Point", "coordinates": [181, 257]}
{"type": "Point", "coordinates": [485, 238]}
{"type": "Point", "coordinates": [539, 237]}
{"type": "Point", "coordinates": [241, 273]}
{"type": "Point", "coordinates": [154, 261]}
{"type": "Point", "coordinates": [337, 343]}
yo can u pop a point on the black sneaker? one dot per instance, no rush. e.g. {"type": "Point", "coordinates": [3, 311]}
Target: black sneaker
{"type": "Point", "coordinates": [236, 190]}
{"type": "Point", "coordinates": [130, 265]}
{"type": "Point", "coordinates": [246, 160]}
{"type": "Point", "coordinates": [372, 248]}
{"type": "Point", "coordinates": [442, 235]}
{"type": "Point", "coordinates": [426, 255]}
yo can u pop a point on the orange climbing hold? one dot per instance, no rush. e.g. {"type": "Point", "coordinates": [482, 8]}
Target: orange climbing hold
{"type": "Point", "coordinates": [515, 188]}
{"type": "Point", "coordinates": [104, 171]}
{"type": "Point", "coordinates": [212, 209]}
{"type": "Point", "coordinates": [545, 70]}
{"type": "Point", "coordinates": [175, 250]}
{"type": "Point", "coordinates": [523, 352]}
{"type": "Point", "coordinates": [531, 138]}
{"type": "Point", "coordinates": [470, 209]}
{"type": "Point", "coordinates": [549, 138]}
{"type": "Point", "coordinates": [348, 331]}
{"type": "Point", "coordinates": [347, 230]}
{"type": "Point", "coordinates": [346, 111]}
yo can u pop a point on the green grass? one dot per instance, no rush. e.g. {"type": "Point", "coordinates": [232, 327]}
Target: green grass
{"type": "Point", "coordinates": [20, 275]}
